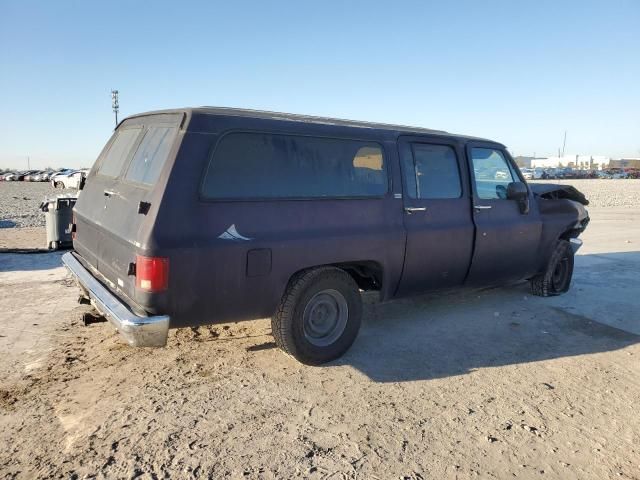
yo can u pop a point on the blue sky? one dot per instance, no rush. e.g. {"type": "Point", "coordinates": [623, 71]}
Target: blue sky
{"type": "Point", "coordinates": [514, 71]}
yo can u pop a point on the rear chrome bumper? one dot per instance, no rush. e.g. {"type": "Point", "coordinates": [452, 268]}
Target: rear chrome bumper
{"type": "Point", "coordinates": [137, 330]}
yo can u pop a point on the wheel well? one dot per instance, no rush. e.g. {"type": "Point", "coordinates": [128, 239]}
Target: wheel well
{"type": "Point", "coordinates": [366, 274]}
{"type": "Point", "coordinates": [575, 230]}
{"type": "Point", "coordinates": [570, 233]}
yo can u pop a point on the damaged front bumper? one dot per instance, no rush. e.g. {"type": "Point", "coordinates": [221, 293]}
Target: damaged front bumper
{"type": "Point", "coordinates": [576, 243]}
{"type": "Point", "coordinates": [138, 331]}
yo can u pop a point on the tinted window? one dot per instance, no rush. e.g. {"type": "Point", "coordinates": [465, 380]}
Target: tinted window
{"type": "Point", "coordinates": [151, 155]}
{"type": "Point", "coordinates": [434, 173]}
{"type": "Point", "coordinates": [118, 153]}
{"type": "Point", "coordinates": [256, 165]}
{"type": "Point", "coordinates": [492, 173]}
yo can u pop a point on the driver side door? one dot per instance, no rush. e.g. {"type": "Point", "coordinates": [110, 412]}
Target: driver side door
{"type": "Point", "coordinates": [506, 240]}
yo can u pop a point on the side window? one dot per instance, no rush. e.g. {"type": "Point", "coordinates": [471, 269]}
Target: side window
{"type": "Point", "coordinates": [262, 165]}
{"type": "Point", "coordinates": [433, 173]}
{"type": "Point", "coordinates": [151, 155]}
{"type": "Point", "coordinates": [119, 151]}
{"type": "Point", "coordinates": [491, 172]}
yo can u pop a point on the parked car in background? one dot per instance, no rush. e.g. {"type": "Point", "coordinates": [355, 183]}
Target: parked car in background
{"type": "Point", "coordinates": [527, 173]}
{"type": "Point", "coordinates": [33, 176]}
{"type": "Point", "coordinates": [41, 176]}
{"type": "Point", "coordinates": [211, 215]}
{"type": "Point", "coordinates": [538, 173]}
{"type": "Point", "coordinates": [68, 179]}
{"type": "Point", "coordinates": [633, 173]}
{"type": "Point", "coordinates": [22, 176]}
{"type": "Point", "coordinates": [613, 173]}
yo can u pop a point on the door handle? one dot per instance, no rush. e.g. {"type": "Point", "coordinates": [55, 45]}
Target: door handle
{"type": "Point", "coordinates": [108, 193]}
{"type": "Point", "coordinates": [482, 207]}
{"type": "Point", "coordinates": [414, 209]}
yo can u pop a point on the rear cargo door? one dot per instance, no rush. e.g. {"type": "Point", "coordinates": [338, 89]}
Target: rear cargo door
{"type": "Point", "coordinates": [126, 181]}
{"type": "Point", "coordinates": [91, 206]}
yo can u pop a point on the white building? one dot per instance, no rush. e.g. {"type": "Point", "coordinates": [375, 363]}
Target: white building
{"type": "Point", "coordinates": [579, 162]}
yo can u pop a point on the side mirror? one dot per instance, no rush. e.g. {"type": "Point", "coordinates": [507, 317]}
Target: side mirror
{"type": "Point", "coordinates": [518, 191]}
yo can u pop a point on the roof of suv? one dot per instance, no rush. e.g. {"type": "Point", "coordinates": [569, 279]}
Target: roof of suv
{"type": "Point", "coordinates": [292, 117]}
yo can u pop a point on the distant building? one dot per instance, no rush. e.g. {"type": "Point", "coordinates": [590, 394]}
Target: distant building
{"type": "Point", "coordinates": [625, 163]}
{"type": "Point", "coordinates": [523, 162]}
{"type": "Point", "coordinates": [579, 162]}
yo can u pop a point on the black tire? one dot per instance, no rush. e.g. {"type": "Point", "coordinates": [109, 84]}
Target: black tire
{"type": "Point", "coordinates": [556, 279]}
{"type": "Point", "coordinates": [59, 185]}
{"type": "Point", "coordinates": [310, 295]}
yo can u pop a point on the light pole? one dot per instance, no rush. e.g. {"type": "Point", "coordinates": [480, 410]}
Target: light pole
{"type": "Point", "coordinates": [114, 104]}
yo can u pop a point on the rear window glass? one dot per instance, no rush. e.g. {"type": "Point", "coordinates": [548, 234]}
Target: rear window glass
{"type": "Point", "coordinates": [436, 172]}
{"type": "Point", "coordinates": [150, 156]}
{"type": "Point", "coordinates": [118, 153]}
{"type": "Point", "coordinates": [257, 165]}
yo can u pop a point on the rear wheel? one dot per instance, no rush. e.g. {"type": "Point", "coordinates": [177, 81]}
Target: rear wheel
{"type": "Point", "coordinates": [319, 315]}
{"type": "Point", "coordinates": [556, 279]}
{"type": "Point", "coordinates": [59, 185]}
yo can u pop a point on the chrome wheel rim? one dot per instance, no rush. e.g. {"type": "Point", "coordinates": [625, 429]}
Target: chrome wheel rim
{"type": "Point", "coordinates": [325, 317]}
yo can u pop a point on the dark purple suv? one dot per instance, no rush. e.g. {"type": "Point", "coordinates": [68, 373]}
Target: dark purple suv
{"type": "Point", "coordinates": [205, 215]}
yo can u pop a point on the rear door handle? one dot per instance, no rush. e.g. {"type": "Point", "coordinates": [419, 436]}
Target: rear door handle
{"type": "Point", "coordinates": [414, 209]}
{"type": "Point", "coordinates": [482, 207]}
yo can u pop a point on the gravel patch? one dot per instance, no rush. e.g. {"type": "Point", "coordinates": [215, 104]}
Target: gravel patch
{"type": "Point", "coordinates": [605, 193]}
{"type": "Point", "coordinates": [20, 203]}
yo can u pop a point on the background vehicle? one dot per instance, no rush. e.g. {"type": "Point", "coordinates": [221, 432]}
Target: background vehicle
{"type": "Point", "coordinates": [538, 173]}
{"type": "Point", "coordinates": [10, 176]}
{"type": "Point", "coordinates": [20, 176]}
{"type": "Point", "coordinates": [68, 179]}
{"type": "Point", "coordinates": [208, 215]}
{"type": "Point", "coordinates": [527, 173]}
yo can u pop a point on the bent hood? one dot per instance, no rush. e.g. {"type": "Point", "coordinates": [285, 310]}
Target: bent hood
{"type": "Point", "coordinates": [552, 191]}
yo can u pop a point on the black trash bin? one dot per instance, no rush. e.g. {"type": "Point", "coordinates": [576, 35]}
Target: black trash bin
{"type": "Point", "coordinates": [59, 216]}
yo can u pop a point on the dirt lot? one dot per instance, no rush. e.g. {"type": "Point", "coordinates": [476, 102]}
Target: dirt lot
{"type": "Point", "coordinates": [19, 202]}
{"type": "Point", "coordinates": [489, 384]}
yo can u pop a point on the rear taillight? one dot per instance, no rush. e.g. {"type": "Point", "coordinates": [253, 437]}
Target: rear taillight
{"type": "Point", "coordinates": [152, 273]}
{"type": "Point", "coordinates": [73, 225]}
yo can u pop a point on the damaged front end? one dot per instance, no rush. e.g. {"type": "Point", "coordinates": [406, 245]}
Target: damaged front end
{"type": "Point", "coordinates": [563, 212]}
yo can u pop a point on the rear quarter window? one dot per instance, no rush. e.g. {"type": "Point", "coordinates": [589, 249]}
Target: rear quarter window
{"type": "Point", "coordinates": [151, 155]}
{"type": "Point", "coordinates": [263, 165]}
{"type": "Point", "coordinates": [118, 152]}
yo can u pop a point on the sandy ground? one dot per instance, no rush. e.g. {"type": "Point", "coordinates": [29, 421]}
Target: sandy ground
{"type": "Point", "coordinates": [489, 384]}
{"type": "Point", "coordinates": [23, 238]}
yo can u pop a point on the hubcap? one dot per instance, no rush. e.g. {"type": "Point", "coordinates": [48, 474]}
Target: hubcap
{"type": "Point", "coordinates": [325, 317]}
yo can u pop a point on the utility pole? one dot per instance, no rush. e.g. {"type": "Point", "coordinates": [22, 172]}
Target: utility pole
{"type": "Point", "coordinates": [114, 104]}
{"type": "Point", "coordinates": [28, 162]}
{"type": "Point", "coordinates": [564, 142]}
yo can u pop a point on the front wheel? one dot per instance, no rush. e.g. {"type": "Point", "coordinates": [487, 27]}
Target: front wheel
{"type": "Point", "coordinates": [319, 315]}
{"type": "Point", "coordinates": [556, 279]}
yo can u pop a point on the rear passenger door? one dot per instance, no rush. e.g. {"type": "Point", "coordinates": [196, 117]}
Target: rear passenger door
{"type": "Point", "coordinates": [437, 216]}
